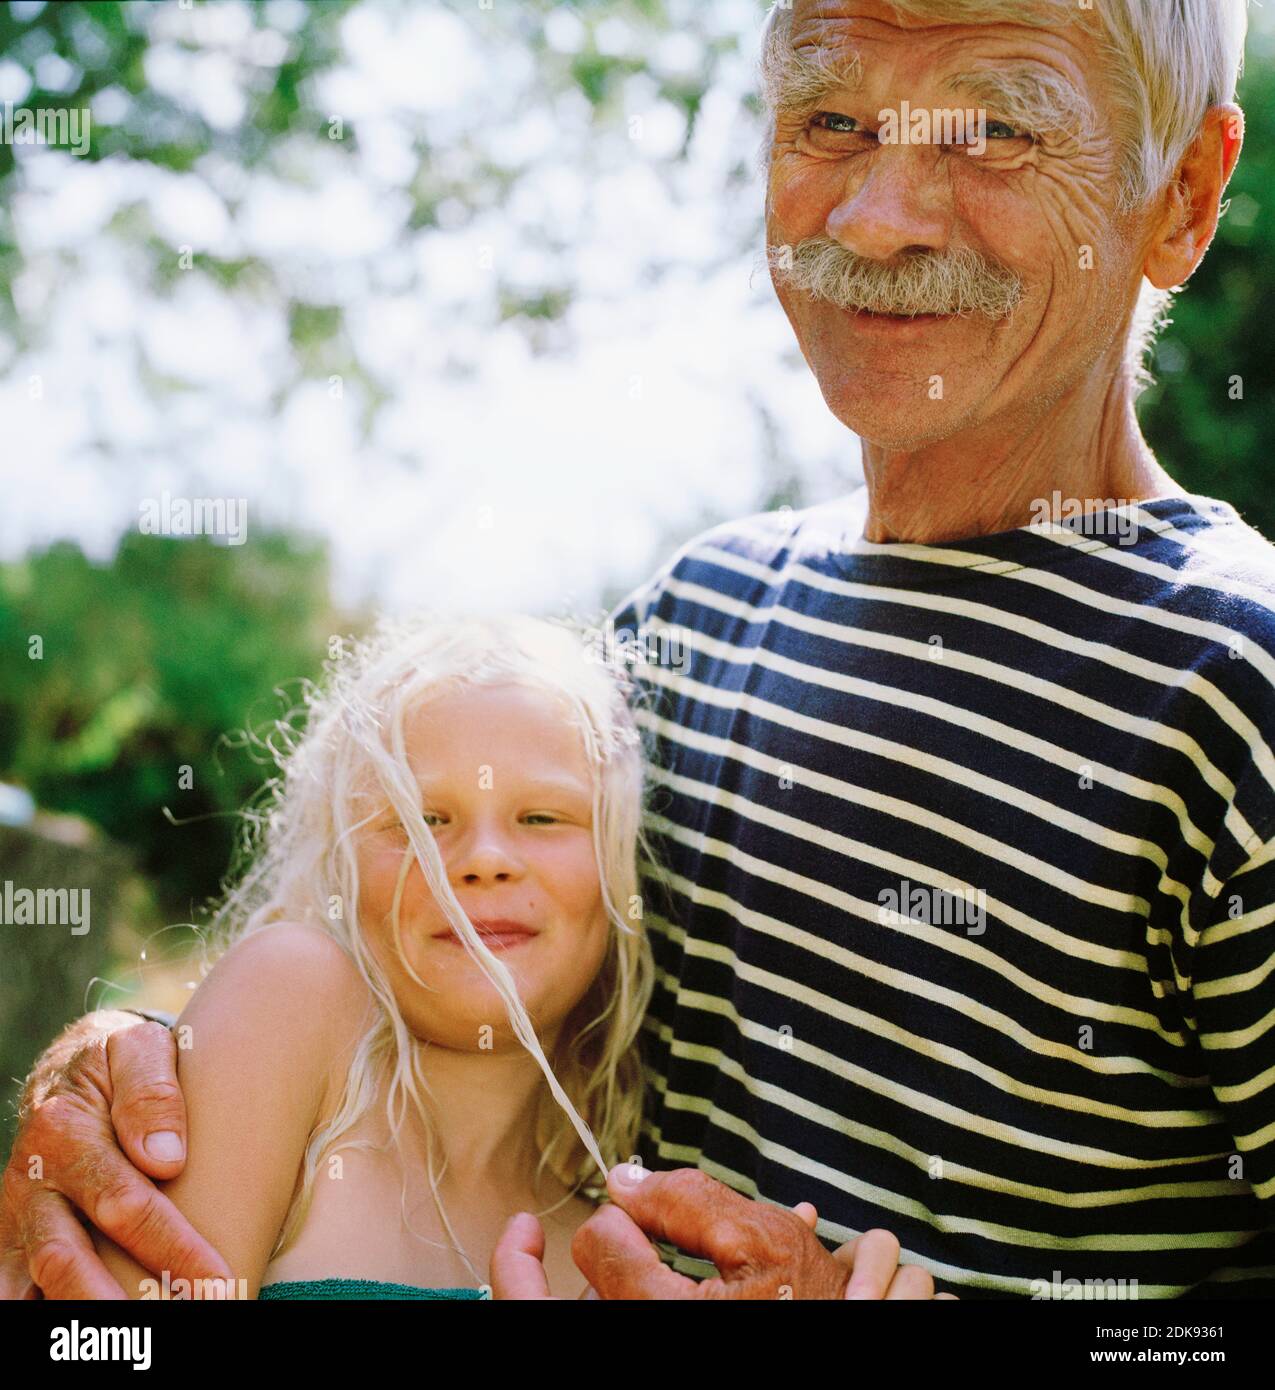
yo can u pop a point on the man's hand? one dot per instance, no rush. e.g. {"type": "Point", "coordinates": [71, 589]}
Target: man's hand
{"type": "Point", "coordinates": [102, 1103]}
{"type": "Point", "coordinates": [761, 1251]}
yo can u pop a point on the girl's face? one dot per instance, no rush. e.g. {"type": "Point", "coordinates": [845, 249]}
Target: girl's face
{"type": "Point", "coordinates": [506, 791]}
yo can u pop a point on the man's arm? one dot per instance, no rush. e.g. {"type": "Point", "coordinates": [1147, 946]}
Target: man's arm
{"type": "Point", "coordinates": [101, 1116]}
{"type": "Point", "coordinates": [1233, 988]}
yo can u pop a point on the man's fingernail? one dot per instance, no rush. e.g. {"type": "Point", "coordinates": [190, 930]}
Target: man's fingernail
{"type": "Point", "coordinates": [164, 1146]}
{"type": "Point", "coordinates": [629, 1174]}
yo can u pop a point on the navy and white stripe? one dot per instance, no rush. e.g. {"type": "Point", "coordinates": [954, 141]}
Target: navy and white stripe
{"type": "Point", "coordinates": [1081, 733]}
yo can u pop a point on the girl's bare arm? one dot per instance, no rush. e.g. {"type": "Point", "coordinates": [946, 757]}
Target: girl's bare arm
{"type": "Point", "coordinates": [259, 1048]}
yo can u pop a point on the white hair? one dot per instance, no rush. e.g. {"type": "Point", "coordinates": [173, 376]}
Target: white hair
{"type": "Point", "coordinates": [1171, 61]}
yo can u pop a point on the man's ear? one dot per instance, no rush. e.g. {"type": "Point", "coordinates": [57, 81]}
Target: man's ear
{"type": "Point", "coordinates": [1192, 201]}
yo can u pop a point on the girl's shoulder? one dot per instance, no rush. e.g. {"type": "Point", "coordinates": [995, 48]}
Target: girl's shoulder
{"type": "Point", "coordinates": [301, 950]}
{"type": "Point", "coordinates": [291, 981]}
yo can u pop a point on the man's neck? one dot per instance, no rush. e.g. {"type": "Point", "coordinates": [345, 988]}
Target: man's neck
{"type": "Point", "coordinates": [1085, 445]}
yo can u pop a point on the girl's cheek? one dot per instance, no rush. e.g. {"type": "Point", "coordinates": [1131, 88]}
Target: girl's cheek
{"type": "Point", "coordinates": [575, 868]}
{"type": "Point", "coordinates": [383, 867]}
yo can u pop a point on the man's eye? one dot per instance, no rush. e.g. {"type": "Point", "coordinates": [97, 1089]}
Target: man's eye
{"type": "Point", "coordinates": [835, 123]}
{"type": "Point", "coordinates": [1002, 130]}
{"type": "Point", "coordinates": [830, 132]}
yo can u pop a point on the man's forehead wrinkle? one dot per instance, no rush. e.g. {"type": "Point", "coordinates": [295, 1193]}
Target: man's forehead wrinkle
{"type": "Point", "coordinates": [835, 25]}
{"type": "Point", "coordinates": [854, 41]}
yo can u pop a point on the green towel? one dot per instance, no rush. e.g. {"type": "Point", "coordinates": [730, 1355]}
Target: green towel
{"type": "Point", "coordinates": [358, 1289]}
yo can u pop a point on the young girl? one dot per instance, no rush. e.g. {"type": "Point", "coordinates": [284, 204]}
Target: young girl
{"type": "Point", "coordinates": [429, 1010]}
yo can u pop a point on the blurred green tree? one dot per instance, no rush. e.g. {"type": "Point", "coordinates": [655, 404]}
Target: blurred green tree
{"type": "Point", "coordinates": [118, 712]}
{"type": "Point", "coordinates": [102, 47]}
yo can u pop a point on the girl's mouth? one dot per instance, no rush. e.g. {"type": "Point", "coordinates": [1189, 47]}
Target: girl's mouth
{"type": "Point", "coordinates": [495, 941]}
{"type": "Point", "coordinates": [496, 935]}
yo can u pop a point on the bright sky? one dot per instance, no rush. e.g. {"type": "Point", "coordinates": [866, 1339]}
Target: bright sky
{"type": "Point", "coordinates": [502, 470]}
{"type": "Point", "coordinates": [510, 465]}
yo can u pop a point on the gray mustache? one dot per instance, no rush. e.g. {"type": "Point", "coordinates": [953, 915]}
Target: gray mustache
{"type": "Point", "coordinates": [960, 281]}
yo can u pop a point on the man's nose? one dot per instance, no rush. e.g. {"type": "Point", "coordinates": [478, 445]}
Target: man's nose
{"type": "Point", "coordinates": [901, 205]}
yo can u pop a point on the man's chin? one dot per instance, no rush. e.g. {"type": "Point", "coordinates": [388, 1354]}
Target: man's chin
{"type": "Point", "coordinates": [899, 414]}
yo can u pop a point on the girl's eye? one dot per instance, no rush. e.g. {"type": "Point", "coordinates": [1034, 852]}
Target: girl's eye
{"type": "Point", "coordinates": [437, 817]}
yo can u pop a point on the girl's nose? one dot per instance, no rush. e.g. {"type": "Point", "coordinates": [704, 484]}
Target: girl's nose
{"type": "Point", "coordinates": [486, 856]}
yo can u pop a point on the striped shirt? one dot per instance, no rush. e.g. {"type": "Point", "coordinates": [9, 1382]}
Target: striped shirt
{"type": "Point", "coordinates": [966, 925]}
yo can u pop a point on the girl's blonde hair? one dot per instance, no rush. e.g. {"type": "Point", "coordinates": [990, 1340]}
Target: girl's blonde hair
{"type": "Point", "coordinates": [300, 856]}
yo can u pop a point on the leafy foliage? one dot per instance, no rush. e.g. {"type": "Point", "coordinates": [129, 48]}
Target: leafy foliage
{"type": "Point", "coordinates": [1213, 441]}
{"type": "Point", "coordinates": [102, 715]}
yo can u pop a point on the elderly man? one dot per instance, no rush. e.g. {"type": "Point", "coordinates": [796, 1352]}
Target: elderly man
{"type": "Point", "coordinates": [967, 794]}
